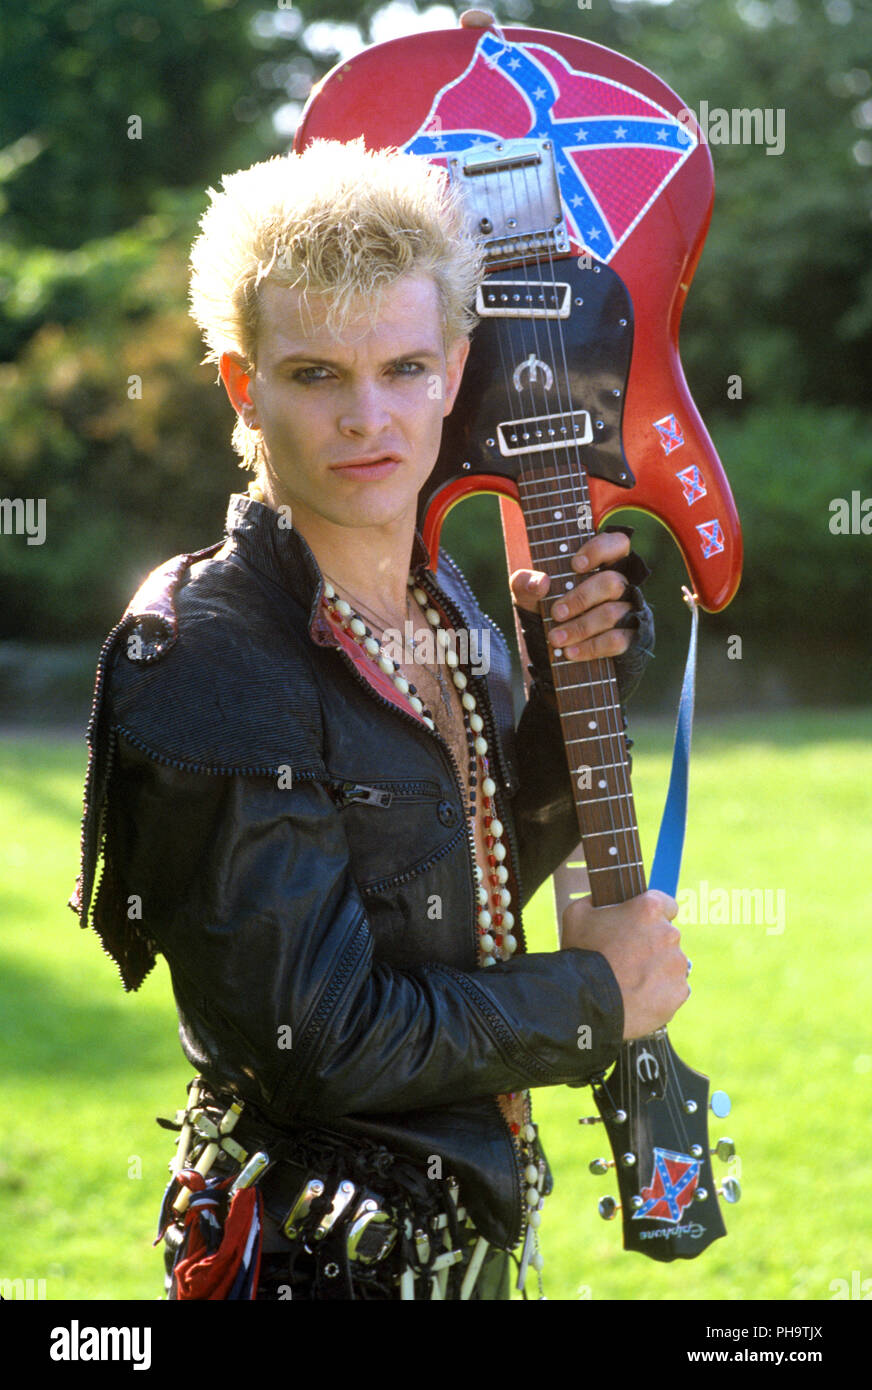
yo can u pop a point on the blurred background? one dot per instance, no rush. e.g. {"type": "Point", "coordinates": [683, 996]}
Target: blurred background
{"type": "Point", "coordinates": [114, 119]}
{"type": "Point", "coordinates": [106, 414]}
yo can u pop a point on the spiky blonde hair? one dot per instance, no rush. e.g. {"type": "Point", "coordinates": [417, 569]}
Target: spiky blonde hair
{"type": "Point", "coordinates": [338, 221]}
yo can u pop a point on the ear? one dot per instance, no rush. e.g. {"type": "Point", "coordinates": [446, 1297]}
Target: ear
{"type": "Point", "coordinates": [237, 383]}
{"type": "Point", "coordinates": [455, 361]}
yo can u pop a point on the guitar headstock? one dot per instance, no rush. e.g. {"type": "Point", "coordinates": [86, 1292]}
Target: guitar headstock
{"type": "Point", "coordinates": [655, 1111]}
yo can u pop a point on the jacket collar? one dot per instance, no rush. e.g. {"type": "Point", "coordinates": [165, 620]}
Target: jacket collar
{"type": "Point", "coordinates": [255, 532]}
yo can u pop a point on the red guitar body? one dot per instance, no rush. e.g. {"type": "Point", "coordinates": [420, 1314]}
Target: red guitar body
{"type": "Point", "coordinates": [636, 186]}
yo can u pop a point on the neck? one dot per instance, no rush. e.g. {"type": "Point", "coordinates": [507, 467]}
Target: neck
{"type": "Point", "coordinates": [369, 564]}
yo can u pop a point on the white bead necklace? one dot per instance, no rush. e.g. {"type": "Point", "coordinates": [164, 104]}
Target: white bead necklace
{"type": "Point", "coordinates": [494, 920]}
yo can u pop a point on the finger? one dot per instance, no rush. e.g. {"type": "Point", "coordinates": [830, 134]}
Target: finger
{"type": "Point", "coordinates": [662, 902]}
{"type": "Point", "coordinates": [599, 589]}
{"type": "Point", "coordinates": [477, 19]}
{"type": "Point", "coordinates": [601, 550]}
{"type": "Point", "coordinates": [605, 618]}
{"type": "Point", "coordinates": [528, 587]}
{"type": "Point", "coordinates": [605, 644]}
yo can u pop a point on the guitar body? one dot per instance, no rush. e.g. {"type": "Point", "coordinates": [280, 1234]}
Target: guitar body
{"type": "Point", "coordinates": [592, 199]}
{"type": "Point", "coordinates": [644, 211]}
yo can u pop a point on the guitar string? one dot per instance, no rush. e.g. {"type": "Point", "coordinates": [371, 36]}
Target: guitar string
{"type": "Point", "coordinates": [616, 742]}
{"type": "Point", "coordinates": [577, 483]}
{"type": "Point", "coordinates": [614, 739]}
{"type": "Point", "coordinates": [613, 734]}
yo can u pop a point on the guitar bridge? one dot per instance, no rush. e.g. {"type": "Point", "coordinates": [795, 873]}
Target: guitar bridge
{"type": "Point", "coordinates": [512, 195]}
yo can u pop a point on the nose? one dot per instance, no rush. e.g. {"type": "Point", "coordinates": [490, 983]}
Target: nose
{"type": "Point", "coordinates": [364, 412]}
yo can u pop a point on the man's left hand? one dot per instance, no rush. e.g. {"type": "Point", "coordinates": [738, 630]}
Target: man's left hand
{"type": "Point", "coordinates": [587, 629]}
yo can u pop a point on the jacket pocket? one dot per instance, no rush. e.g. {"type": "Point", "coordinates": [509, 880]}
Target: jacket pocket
{"type": "Point", "coordinates": [396, 828]}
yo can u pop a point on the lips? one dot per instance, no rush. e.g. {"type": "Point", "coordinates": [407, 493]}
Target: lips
{"type": "Point", "coordinates": [367, 462]}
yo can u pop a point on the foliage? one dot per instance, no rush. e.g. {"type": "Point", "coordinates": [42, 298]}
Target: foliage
{"type": "Point", "coordinates": [92, 288]}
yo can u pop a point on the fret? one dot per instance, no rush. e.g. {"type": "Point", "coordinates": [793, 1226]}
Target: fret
{"type": "Point", "coordinates": [573, 477]}
{"type": "Point", "coordinates": [596, 738]}
{"type": "Point", "coordinates": [591, 709]}
{"type": "Point", "coordinates": [615, 868]}
{"type": "Point", "coordinates": [558, 506]}
{"type": "Point", "coordinates": [583, 685]}
{"type": "Point", "coordinates": [616, 830]}
{"type": "Point", "coordinates": [601, 767]}
{"type": "Point", "coordinates": [616, 797]}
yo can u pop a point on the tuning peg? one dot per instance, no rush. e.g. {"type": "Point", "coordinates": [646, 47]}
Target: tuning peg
{"type": "Point", "coordinates": [731, 1191]}
{"type": "Point", "coordinates": [721, 1104]}
{"type": "Point", "coordinates": [617, 1117]}
{"type": "Point", "coordinates": [608, 1208]}
{"type": "Point", "coordinates": [725, 1149]}
{"type": "Point", "coordinates": [600, 1166]}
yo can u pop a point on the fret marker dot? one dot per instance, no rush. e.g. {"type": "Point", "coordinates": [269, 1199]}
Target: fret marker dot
{"type": "Point", "coordinates": [612, 850]}
{"type": "Point", "coordinates": [557, 516]}
{"type": "Point", "coordinates": [568, 584]}
{"type": "Point", "coordinates": [602, 784]}
{"type": "Point", "coordinates": [591, 723]}
{"type": "Point", "coordinates": [564, 547]}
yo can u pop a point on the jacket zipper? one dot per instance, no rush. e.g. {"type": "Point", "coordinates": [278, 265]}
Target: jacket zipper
{"type": "Point", "coordinates": [484, 706]}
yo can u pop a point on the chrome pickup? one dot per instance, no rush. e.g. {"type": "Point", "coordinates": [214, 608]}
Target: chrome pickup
{"type": "Point", "coordinates": [523, 299]}
{"type": "Point", "coordinates": [513, 201]}
{"type": "Point", "coordinates": [564, 430]}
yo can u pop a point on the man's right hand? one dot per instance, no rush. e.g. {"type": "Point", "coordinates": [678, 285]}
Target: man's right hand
{"type": "Point", "coordinates": [640, 943]}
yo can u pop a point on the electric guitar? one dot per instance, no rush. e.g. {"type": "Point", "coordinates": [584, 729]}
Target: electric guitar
{"type": "Point", "coordinates": [591, 189]}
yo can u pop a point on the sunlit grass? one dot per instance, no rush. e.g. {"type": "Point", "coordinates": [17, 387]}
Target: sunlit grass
{"type": "Point", "coordinates": [779, 1020]}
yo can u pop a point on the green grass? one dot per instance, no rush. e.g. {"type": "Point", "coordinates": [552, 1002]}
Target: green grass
{"type": "Point", "coordinates": [780, 1021]}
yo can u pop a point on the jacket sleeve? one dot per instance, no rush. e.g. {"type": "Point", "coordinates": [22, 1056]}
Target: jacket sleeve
{"type": "Point", "coordinates": [246, 889]}
{"type": "Point", "coordinates": [543, 805]}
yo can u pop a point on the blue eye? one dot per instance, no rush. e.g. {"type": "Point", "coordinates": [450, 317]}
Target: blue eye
{"type": "Point", "coordinates": [306, 378]}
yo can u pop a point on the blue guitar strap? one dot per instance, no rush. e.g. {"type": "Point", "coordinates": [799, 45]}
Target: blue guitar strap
{"type": "Point", "coordinates": [670, 840]}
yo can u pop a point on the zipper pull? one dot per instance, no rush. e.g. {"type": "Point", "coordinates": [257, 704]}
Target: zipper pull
{"type": "Point", "coordinates": [348, 792]}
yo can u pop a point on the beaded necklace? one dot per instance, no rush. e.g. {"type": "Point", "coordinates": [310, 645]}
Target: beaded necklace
{"type": "Point", "coordinates": [496, 941]}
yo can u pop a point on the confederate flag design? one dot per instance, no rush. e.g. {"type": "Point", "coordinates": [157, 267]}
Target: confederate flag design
{"type": "Point", "coordinates": [616, 150]}
{"type": "Point", "coordinates": [673, 1185]}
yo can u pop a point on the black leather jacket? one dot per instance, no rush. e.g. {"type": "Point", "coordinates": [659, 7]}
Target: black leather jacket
{"type": "Point", "coordinates": [295, 844]}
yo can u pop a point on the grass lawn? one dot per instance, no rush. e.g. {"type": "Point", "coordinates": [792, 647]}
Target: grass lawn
{"type": "Point", "coordinates": [778, 1018]}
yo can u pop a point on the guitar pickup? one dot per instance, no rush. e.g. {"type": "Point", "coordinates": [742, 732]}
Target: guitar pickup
{"type": "Point", "coordinates": [521, 299]}
{"type": "Point", "coordinates": [512, 197]}
{"type": "Point", "coordinates": [564, 430]}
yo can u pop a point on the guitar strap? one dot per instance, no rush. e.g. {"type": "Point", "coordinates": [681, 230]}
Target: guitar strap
{"type": "Point", "coordinates": [670, 840]}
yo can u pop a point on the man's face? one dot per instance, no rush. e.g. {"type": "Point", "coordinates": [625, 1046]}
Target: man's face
{"type": "Point", "coordinates": [380, 389]}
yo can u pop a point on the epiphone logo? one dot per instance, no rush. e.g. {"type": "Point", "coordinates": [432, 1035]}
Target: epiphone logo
{"type": "Point", "coordinates": [695, 1232]}
{"type": "Point", "coordinates": [532, 365]}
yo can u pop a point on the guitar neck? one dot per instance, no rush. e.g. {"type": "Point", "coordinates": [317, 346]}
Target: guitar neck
{"type": "Point", "coordinates": [557, 514]}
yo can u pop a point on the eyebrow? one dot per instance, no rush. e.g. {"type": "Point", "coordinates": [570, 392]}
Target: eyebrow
{"type": "Point", "coordinates": [313, 359]}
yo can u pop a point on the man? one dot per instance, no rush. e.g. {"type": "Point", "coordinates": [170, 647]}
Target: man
{"type": "Point", "coordinates": [330, 839]}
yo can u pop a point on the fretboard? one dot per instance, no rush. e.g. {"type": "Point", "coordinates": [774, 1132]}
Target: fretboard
{"type": "Point", "coordinates": [554, 500]}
